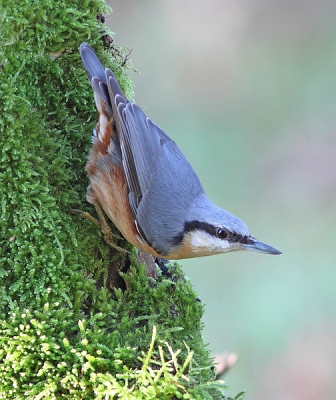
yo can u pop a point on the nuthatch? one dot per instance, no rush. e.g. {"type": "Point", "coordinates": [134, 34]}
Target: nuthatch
{"type": "Point", "coordinates": [145, 185]}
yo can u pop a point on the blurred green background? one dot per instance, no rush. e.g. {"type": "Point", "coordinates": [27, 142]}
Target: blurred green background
{"type": "Point", "coordinates": [247, 89]}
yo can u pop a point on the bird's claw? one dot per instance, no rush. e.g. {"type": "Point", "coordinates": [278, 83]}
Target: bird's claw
{"type": "Point", "coordinates": [103, 225]}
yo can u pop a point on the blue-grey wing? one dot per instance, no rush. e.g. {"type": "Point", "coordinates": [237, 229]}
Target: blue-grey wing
{"type": "Point", "coordinates": [165, 182]}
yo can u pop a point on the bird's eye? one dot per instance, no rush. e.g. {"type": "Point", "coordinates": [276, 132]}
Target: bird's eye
{"type": "Point", "coordinates": [222, 233]}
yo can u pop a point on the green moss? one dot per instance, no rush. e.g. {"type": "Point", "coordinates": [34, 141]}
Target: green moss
{"type": "Point", "coordinates": [45, 355]}
{"type": "Point", "coordinates": [63, 335]}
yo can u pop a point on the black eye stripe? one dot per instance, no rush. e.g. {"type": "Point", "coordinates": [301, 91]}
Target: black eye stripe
{"type": "Point", "coordinates": [203, 226]}
{"type": "Point", "coordinates": [215, 231]}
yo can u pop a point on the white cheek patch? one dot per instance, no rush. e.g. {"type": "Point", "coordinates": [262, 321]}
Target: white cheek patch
{"type": "Point", "coordinates": [202, 241]}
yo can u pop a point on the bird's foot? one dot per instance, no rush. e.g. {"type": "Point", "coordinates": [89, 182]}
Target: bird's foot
{"type": "Point", "coordinates": [103, 225]}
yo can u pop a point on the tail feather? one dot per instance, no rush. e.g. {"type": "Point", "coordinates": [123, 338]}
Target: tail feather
{"type": "Point", "coordinates": [100, 89]}
{"type": "Point", "coordinates": [92, 65]}
{"type": "Point", "coordinates": [107, 92]}
{"type": "Point", "coordinates": [103, 81]}
{"type": "Point", "coordinates": [113, 85]}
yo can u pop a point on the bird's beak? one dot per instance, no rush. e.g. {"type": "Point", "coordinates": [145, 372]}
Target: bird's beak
{"type": "Point", "coordinates": [255, 245]}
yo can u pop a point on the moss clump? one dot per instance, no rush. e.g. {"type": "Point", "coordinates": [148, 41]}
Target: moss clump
{"type": "Point", "coordinates": [44, 354]}
{"type": "Point", "coordinates": [63, 332]}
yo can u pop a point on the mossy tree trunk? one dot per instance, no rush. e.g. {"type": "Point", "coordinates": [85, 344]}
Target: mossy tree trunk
{"type": "Point", "coordinates": [64, 331]}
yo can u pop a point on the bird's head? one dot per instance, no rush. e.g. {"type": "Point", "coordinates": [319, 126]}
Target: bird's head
{"type": "Point", "coordinates": [212, 230]}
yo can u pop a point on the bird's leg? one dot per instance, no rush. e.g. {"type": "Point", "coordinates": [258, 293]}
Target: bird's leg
{"type": "Point", "coordinates": [103, 225]}
{"type": "Point", "coordinates": [100, 222]}
{"type": "Point", "coordinates": [86, 215]}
